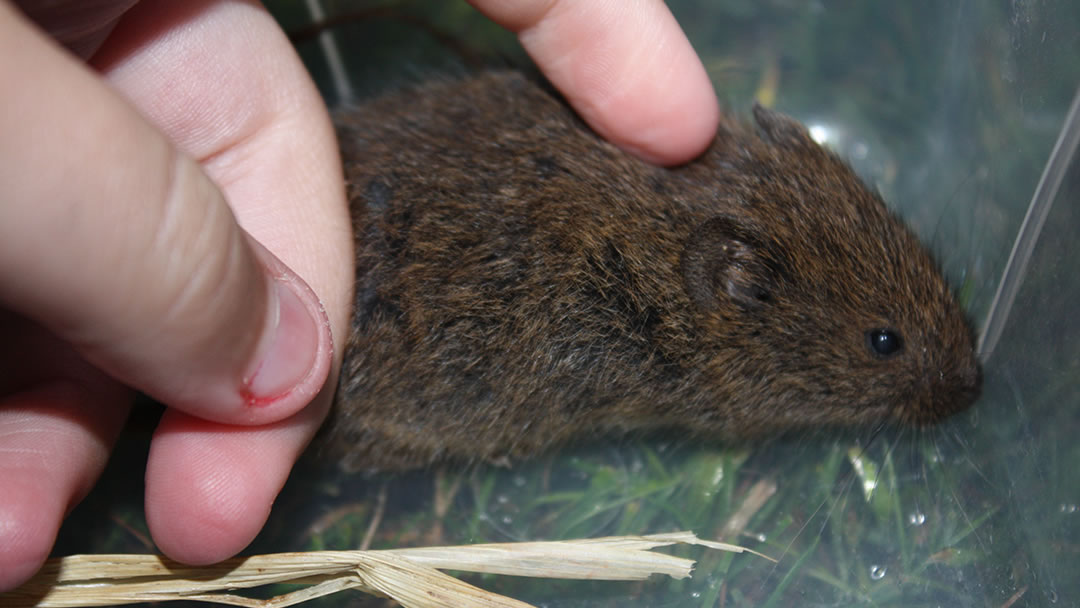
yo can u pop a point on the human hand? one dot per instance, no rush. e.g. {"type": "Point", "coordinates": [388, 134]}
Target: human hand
{"type": "Point", "coordinates": [172, 216]}
{"type": "Point", "coordinates": [122, 265]}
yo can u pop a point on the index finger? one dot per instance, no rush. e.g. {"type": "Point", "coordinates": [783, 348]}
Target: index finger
{"type": "Point", "coordinates": [625, 66]}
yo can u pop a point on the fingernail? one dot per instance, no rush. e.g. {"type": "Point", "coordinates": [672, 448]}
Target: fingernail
{"type": "Point", "coordinates": [292, 350]}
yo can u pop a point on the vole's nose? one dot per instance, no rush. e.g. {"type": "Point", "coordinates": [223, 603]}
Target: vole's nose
{"type": "Point", "coordinates": [956, 389]}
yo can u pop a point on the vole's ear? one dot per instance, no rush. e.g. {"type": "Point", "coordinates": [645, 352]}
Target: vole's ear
{"type": "Point", "coordinates": [724, 259]}
{"type": "Point", "coordinates": [780, 128]}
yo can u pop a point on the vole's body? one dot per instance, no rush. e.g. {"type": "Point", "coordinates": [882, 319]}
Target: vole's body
{"type": "Point", "coordinates": [520, 281]}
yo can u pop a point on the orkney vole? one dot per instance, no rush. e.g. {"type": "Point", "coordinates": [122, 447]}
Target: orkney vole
{"type": "Point", "coordinates": [520, 281]}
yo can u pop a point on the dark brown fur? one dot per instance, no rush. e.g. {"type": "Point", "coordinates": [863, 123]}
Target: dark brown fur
{"type": "Point", "coordinates": [521, 282]}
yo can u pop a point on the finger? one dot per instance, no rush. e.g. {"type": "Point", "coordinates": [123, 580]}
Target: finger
{"type": "Point", "coordinates": [121, 246]}
{"type": "Point", "coordinates": [222, 82]}
{"type": "Point", "coordinates": [56, 429]}
{"type": "Point", "coordinates": [625, 66]}
{"type": "Point", "coordinates": [209, 487]}
{"type": "Point", "coordinates": [259, 128]}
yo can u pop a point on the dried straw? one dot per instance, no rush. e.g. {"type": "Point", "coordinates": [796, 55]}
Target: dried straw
{"type": "Point", "coordinates": [411, 577]}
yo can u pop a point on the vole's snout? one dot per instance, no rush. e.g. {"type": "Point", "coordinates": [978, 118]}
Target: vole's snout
{"type": "Point", "coordinates": [952, 392]}
{"type": "Point", "coordinates": [968, 388]}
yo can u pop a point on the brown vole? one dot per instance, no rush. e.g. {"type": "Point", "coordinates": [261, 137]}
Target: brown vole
{"type": "Point", "coordinates": [520, 281]}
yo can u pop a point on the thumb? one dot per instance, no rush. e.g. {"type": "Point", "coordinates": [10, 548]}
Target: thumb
{"type": "Point", "coordinates": [120, 245]}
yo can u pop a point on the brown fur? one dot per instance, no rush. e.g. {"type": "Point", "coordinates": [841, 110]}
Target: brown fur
{"type": "Point", "coordinates": [521, 281]}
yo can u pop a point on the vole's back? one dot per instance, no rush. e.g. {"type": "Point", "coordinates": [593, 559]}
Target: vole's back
{"type": "Point", "coordinates": [520, 281]}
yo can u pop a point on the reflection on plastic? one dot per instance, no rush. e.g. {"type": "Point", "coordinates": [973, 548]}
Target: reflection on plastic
{"type": "Point", "coordinates": [1045, 193]}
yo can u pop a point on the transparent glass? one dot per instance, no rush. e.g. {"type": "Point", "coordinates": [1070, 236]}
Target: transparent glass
{"type": "Point", "coordinates": [951, 110]}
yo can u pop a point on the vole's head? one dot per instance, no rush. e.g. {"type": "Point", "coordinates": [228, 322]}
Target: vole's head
{"type": "Point", "coordinates": [837, 312]}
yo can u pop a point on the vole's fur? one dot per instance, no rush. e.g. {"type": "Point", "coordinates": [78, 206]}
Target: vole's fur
{"type": "Point", "coordinates": [520, 281]}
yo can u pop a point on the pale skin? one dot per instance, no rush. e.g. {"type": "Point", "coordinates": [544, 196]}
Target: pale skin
{"type": "Point", "coordinates": [173, 221]}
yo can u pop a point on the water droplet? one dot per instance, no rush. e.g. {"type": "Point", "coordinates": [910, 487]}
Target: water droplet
{"type": "Point", "coordinates": [917, 518]}
{"type": "Point", "coordinates": [506, 519]}
{"type": "Point", "coordinates": [718, 476]}
{"type": "Point", "coordinates": [877, 572]}
{"type": "Point", "coordinates": [761, 538]}
{"type": "Point", "coordinates": [696, 595]}
{"type": "Point", "coordinates": [502, 499]}
{"type": "Point", "coordinates": [520, 481]}
{"type": "Point", "coordinates": [1069, 507]}
{"type": "Point", "coordinates": [1052, 596]}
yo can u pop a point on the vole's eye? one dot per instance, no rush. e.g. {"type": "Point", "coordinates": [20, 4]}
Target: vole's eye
{"type": "Point", "coordinates": [884, 342]}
